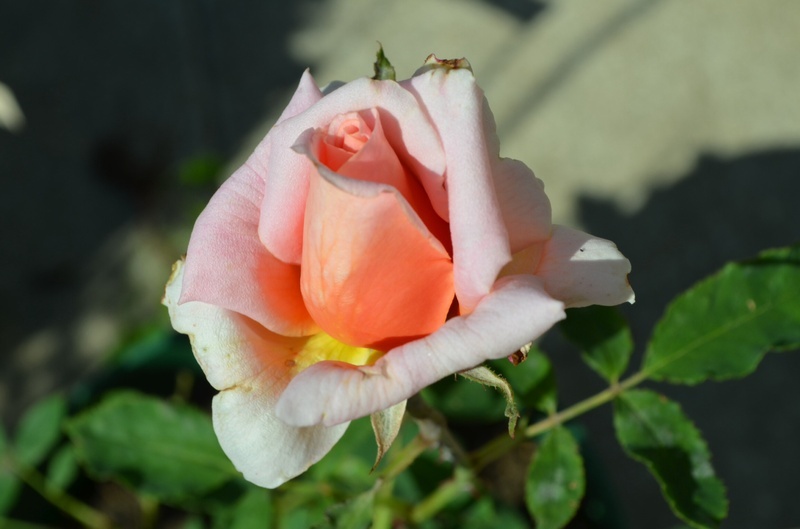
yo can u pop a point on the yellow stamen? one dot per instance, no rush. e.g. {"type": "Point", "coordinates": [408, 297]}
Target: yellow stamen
{"type": "Point", "coordinates": [322, 346]}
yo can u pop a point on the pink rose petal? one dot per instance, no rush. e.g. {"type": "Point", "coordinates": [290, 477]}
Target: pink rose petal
{"type": "Point", "coordinates": [516, 312]}
{"type": "Point", "coordinates": [406, 127]}
{"type": "Point", "coordinates": [363, 220]}
{"type": "Point", "coordinates": [454, 103]}
{"type": "Point", "coordinates": [227, 266]}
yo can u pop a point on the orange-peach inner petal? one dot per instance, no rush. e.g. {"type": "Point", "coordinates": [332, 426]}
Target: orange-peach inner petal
{"type": "Point", "coordinates": [372, 274]}
{"type": "Point", "coordinates": [375, 161]}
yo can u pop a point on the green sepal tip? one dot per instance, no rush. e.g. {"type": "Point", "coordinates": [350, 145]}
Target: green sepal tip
{"type": "Point", "coordinates": [383, 68]}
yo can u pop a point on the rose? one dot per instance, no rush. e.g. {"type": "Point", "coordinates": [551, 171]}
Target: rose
{"type": "Point", "coordinates": [372, 244]}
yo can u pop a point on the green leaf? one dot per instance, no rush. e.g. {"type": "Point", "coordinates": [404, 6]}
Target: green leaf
{"type": "Point", "coordinates": [62, 468]}
{"type": "Point", "coordinates": [39, 430]}
{"type": "Point", "coordinates": [533, 380]}
{"type": "Point", "coordinates": [253, 511]}
{"type": "Point", "coordinates": [9, 487]}
{"type": "Point", "coordinates": [164, 449]}
{"type": "Point", "coordinates": [654, 431]}
{"type": "Point", "coordinates": [9, 490]}
{"type": "Point", "coordinates": [463, 402]}
{"type": "Point", "coordinates": [383, 68]}
{"type": "Point", "coordinates": [348, 464]}
{"type": "Point", "coordinates": [157, 347]}
{"type": "Point", "coordinates": [9, 483]}
{"type": "Point", "coordinates": [308, 513]}
{"type": "Point", "coordinates": [355, 514]}
{"type": "Point", "coordinates": [556, 480]}
{"type": "Point", "coordinates": [487, 377]}
{"type": "Point", "coordinates": [193, 522]}
{"type": "Point", "coordinates": [604, 338]}
{"type": "Point", "coordinates": [485, 513]}
{"type": "Point", "coordinates": [201, 170]}
{"type": "Point", "coordinates": [722, 327]}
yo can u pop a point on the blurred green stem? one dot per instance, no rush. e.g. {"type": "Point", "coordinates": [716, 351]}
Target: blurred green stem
{"type": "Point", "coordinates": [446, 493]}
{"type": "Point", "coordinates": [150, 507]}
{"type": "Point", "coordinates": [9, 523]}
{"type": "Point", "coordinates": [502, 444]}
{"type": "Point", "coordinates": [184, 381]}
{"type": "Point", "coordinates": [71, 506]}
{"type": "Point", "coordinates": [585, 405]}
{"type": "Point", "coordinates": [382, 512]}
{"type": "Point", "coordinates": [403, 459]}
{"type": "Point", "coordinates": [433, 426]}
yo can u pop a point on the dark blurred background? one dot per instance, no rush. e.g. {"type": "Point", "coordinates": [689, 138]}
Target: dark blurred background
{"type": "Point", "coordinates": [671, 128]}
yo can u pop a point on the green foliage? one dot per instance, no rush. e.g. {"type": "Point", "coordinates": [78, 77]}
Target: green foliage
{"type": "Point", "coordinates": [39, 430]}
{"type": "Point", "coordinates": [254, 510]}
{"type": "Point", "coordinates": [464, 402]}
{"type": "Point", "coordinates": [304, 510]}
{"type": "Point", "coordinates": [201, 170]}
{"type": "Point", "coordinates": [167, 452]}
{"type": "Point", "coordinates": [485, 376]}
{"type": "Point", "coordinates": [603, 337]}
{"type": "Point", "coordinates": [353, 514]}
{"type": "Point", "coordinates": [9, 489]}
{"type": "Point", "coordinates": [533, 380]}
{"type": "Point", "coordinates": [194, 522]}
{"type": "Point", "coordinates": [154, 348]}
{"type": "Point", "coordinates": [163, 449]}
{"type": "Point", "coordinates": [722, 327]}
{"type": "Point", "coordinates": [62, 469]}
{"type": "Point", "coordinates": [654, 431]}
{"type": "Point", "coordinates": [556, 480]}
{"type": "Point", "coordinates": [484, 513]}
{"type": "Point", "coordinates": [9, 483]}
{"type": "Point", "coordinates": [348, 465]}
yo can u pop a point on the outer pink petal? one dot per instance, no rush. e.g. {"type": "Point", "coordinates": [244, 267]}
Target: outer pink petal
{"type": "Point", "coordinates": [372, 273]}
{"type": "Point", "coordinates": [525, 207]}
{"type": "Point", "coordinates": [406, 127]}
{"type": "Point", "coordinates": [306, 94]}
{"type": "Point", "coordinates": [304, 97]}
{"type": "Point", "coordinates": [582, 270]}
{"type": "Point", "coordinates": [515, 313]}
{"type": "Point", "coordinates": [228, 266]}
{"type": "Point", "coordinates": [249, 365]}
{"type": "Point", "coordinates": [455, 104]}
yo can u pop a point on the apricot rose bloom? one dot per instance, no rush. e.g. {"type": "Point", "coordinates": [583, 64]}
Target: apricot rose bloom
{"type": "Point", "coordinates": [373, 243]}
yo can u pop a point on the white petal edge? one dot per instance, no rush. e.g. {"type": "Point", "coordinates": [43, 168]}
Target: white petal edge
{"type": "Point", "coordinates": [517, 311]}
{"type": "Point", "coordinates": [267, 451]}
{"type": "Point", "coordinates": [248, 364]}
{"type": "Point", "coordinates": [581, 270]}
